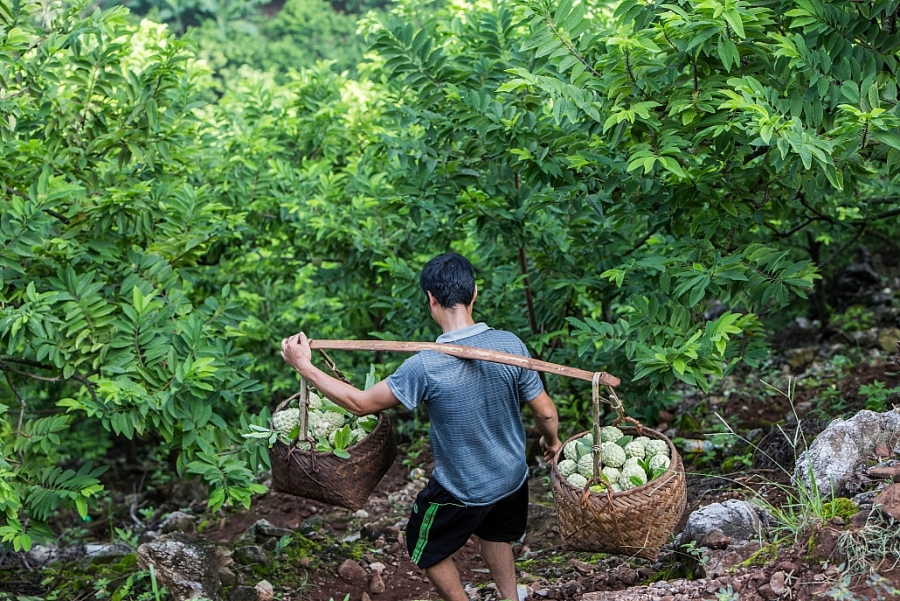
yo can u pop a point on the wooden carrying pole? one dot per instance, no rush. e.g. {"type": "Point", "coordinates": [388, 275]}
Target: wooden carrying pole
{"type": "Point", "coordinates": [465, 352]}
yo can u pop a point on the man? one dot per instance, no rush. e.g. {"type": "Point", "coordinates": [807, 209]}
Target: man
{"type": "Point", "coordinates": [480, 480]}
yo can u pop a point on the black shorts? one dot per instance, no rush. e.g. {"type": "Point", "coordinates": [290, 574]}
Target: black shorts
{"type": "Point", "coordinates": [440, 524]}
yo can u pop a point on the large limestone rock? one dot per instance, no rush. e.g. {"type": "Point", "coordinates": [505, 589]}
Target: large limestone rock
{"type": "Point", "coordinates": [835, 453]}
{"type": "Point", "coordinates": [185, 565]}
{"type": "Point", "coordinates": [735, 520]}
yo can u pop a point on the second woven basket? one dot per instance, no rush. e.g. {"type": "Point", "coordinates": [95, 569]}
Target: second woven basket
{"type": "Point", "coordinates": [635, 522]}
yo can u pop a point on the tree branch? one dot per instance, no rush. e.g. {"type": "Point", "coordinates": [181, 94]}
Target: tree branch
{"type": "Point", "coordinates": [22, 407]}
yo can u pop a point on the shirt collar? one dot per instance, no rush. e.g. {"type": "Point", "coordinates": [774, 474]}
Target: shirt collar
{"type": "Point", "coordinates": [461, 333]}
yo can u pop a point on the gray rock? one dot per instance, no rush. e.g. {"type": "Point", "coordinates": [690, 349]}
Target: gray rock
{"type": "Point", "coordinates": [735, 519]}
{"type": "Point", "coordinates": [252, 554]}
{"type": "Point", "coordinates": [39, 555]}
{"type": "Point", "coordinates": [113, 551]}
{"type": "Point", "coordinates": [865, 338]}
{"type": "Point", "coordinates": [313, 524]}
{"type": "Point", "coordinates": [267, 529]}
{"type": "Point", "coordinates": [185, 565]}
{"type": "Point", "coordinates": [835, 453]}
{"type": "Point", "coordinates": [177, 521]}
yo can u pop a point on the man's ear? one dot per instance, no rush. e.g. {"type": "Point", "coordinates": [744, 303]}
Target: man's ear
{"type": "Point", "coordinates": [431, 300]}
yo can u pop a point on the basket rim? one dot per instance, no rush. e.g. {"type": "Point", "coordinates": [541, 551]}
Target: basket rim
{"type": "Point", "coordinates": [382, 418]}
{"type": "Point", "coordinates": [618, 494]}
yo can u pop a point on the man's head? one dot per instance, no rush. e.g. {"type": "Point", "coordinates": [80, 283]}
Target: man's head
{"type": "Point", "coordinates": [450, 279]}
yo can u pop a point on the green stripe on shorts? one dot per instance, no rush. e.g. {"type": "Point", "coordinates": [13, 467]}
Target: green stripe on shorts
{"type": "Point", "coordinates": [427, 520]}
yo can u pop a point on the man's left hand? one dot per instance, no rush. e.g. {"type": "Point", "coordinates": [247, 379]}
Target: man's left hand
{"type": "Point", "coordinates": [550, 450]}
{"type": "Point", "coordinates": [296, 352]}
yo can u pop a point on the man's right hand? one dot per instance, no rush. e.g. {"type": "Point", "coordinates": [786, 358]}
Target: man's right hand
{"type": "Point", "coordinates": [296, 353]}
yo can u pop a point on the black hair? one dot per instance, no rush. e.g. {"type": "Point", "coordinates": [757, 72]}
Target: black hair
{"type": "Point", "coordinates": [450, 277]}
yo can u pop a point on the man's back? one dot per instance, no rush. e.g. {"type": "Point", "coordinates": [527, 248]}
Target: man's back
{"type": "Point", "coordinates": [477, 435]}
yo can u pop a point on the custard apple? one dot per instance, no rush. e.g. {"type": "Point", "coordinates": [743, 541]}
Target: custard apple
{"type": "Point", "coordinates": [612, 454]}
{"type": "Point", "coordinates": [656, 447]}
{"type": "Point", "coordinates": [287, 420]}
{"type": "Point", "coordinates": [356, 435]}
{"type": "Point", "coordinates": [631, 473]}
{"type": "Point", "coordinates": [611, 474]}
{"type": "Point", "coordinates": [635, 448]}
{"type": "Point", "coordinates": [567, 467]}
{"type": "Point", "coordinates": [577, 480]}
{"type": "Point", "coordinates": [659, 462]}
{"type": "Point", "coordinates": [570, 451]}
{"type": "Point", "coordinates": [586, 466]}
{"type": "Point", "coordinates": [610, 434]}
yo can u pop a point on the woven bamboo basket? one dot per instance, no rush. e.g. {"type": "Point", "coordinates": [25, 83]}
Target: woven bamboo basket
{"type": "Point", "coordinates": [327, 478]}
{"type": "Point", "coordinates": [635, 522]}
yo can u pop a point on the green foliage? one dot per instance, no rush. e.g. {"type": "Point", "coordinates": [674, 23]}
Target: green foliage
{"type": "Point", "coordinates": [121, 580]}
{"type": "Point", "coordinates": [876, 395]}
{"type": "Point", "coordinates": [102, 238]}
{"type": "Point", "coordinates": [302, 34]}
{"type": "Point", "coordinates": [612, 173]}
{"type": "Point", "coordinates": [840, 507]}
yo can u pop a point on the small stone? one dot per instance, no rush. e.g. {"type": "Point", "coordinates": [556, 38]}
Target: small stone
{"type": "Point", "coordinates": [353, 573]}
{"type": "Point", "coordinates": [177, 521]}
{"type": "Point", "coordinates": [717, 540]}
{"type": "Point", "coordinates": [227, 577]}
{"type": "Point", "coordinates": [886, 472]}
{"type": "Point", "coordinates": [264, 591]}
{"type": "Point", "coordinates": [776, 583]}
{"type": "Point", "coordinates": [837, 520]}
{"type": "Point", "coordinates": [859, 520]}
{"type": "Point", "coordinates": [882, 450]}
{"type": "Point", "coordinates": [626, 575]}
{"type": "Point", "coordinates": [366, 597]}
{"type": "Point", "coordinates": [267, 529]}
{"type": "Point", "coordinates": [305, 562]}
{"type": "Point", "coordinates": [889, 500]}
{"type": "Point", "coordinates": [376, 584]}
{"type": "Point", "coordinates": [787, 566]}
{"type": "Point", "coordinates": [391, 534]}
{"type": "Point", "coordinates": [802, 408]}
{"type": "Point", "coordinates": [362, 513]}
{"type": "Point", "coordinates": [888, 339]}
{"type": "Point", "coordinates": [251, 554]}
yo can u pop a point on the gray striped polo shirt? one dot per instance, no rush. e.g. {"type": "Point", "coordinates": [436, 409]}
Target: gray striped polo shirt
{"type": "Point", "coordinates": [477, 435]}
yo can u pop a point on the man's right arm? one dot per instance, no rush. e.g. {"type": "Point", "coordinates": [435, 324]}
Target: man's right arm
{"type": "Point", "coordinates": [546, 421]}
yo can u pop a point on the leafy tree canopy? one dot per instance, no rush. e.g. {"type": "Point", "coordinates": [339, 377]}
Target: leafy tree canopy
{"type": "Point", "coordinates": [611, 169]}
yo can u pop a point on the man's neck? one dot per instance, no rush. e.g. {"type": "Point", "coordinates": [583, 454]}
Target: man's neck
{"type": "Point", "coordinates": [455, 318]}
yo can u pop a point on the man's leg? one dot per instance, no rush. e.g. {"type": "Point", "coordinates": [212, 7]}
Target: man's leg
{"type": "Point", "coordinates": [445, 578]}
{"type": "Point", "coordinates": [500, 561]}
